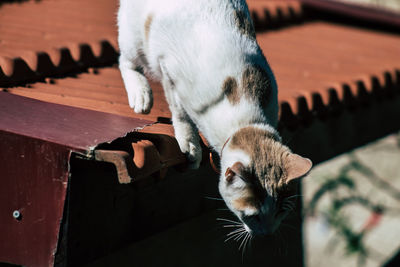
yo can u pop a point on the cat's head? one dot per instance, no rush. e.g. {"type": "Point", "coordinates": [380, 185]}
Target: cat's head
{"type": "Point", "coordinates": [256, 173]}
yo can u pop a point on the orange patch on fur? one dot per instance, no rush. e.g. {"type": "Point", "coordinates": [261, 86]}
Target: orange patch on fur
{"type": "Point", "coordinates": [244, 203]}
{"type": "Point", "coordinates": [147, 26]}
{"type": "Point", "coordinates": [230, 88]}
{"type": "Point", "coordinates": [268, 155]}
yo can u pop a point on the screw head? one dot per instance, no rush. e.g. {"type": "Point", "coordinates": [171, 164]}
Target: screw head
{"type": "Point", "coordinates": [17, 215]}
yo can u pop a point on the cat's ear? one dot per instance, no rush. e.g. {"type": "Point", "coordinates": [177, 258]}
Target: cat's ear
{"type": "Point", "coordinates": [297, 167]}
{"type": "Point", "coordinates": [237, 169]}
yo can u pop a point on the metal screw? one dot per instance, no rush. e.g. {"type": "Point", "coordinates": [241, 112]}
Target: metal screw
{"type": "Point", "coordinates": [17, 215]}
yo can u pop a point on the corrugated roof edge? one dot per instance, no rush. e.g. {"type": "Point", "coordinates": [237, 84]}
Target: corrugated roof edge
{"type": "Point", "coordinates": [302, 110]}
{"type": "Point", "coordinates": [37, 65]}
{"type": "Point", "coordinates": [275, 14]}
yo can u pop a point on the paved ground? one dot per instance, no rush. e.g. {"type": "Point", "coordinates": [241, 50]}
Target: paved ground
{"type": "Point", "coordinates": [352, 206]}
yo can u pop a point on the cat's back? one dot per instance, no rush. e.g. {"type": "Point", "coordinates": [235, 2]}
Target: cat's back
{"type": "Point", "coordinates": [176, 28]}
{"type": "Point", "coordinates": [178, 13]}
{"type": "Point", "coordinates": [190, 6]}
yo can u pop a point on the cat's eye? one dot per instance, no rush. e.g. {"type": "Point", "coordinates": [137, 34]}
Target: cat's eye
{"type": "Point", "coordinates": [230, 176]}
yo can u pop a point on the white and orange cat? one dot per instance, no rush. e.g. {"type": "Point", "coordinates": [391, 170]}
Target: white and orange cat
{"type": "Point", "coordinates": [217, 81]}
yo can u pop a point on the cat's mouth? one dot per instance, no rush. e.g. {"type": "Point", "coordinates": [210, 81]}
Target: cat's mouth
{"type": "Point", "coordinates": [247, 228]}
{"type": "Point", "coordinates": [259, 226]}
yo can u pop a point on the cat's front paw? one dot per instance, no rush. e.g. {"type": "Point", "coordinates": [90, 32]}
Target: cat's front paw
{"type": "Point", "coordinates": [193, 154]}
{"type": "Point", "coordinates": [141, 101]}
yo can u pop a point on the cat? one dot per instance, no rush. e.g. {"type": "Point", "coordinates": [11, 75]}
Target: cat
{"type": "Point", "coordinates": [217, 81]}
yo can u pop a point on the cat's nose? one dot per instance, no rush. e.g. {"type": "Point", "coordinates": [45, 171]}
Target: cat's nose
{"type": "Point", "coordinates": [260, 229]}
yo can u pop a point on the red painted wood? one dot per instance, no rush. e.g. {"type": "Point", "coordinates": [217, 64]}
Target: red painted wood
{"type": "Point", "coordinates": [36, 141]}
{"type": "Point", "coordinates": [34, 176]}
{"type": "Point", "coordinates": [78, 129]}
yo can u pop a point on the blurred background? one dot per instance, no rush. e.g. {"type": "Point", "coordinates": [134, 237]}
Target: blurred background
{"type": "Point", "coordinates": [352, 202]}
{"type": "Point", "coordinates": [351, 207]}
{"type": "Point", "coordinates": [388, 4]}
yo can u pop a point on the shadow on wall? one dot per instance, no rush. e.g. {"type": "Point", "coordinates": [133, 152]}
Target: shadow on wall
{"type": "Point", "coordinates": [167, 222]}
{"type": "Point", "coordinates": [200, 242]}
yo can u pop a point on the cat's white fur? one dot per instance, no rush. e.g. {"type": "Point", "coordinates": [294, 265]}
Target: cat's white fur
{"type": "Point", "coordinates": [192, 46]}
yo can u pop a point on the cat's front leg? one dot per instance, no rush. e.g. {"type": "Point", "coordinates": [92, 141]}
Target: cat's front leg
{"type": "Point", "coordinates": [188, 139]}
{"type": "Point", "coordinates": [186, 132]}
{"type": "Point", "coordinates": [140, 96]}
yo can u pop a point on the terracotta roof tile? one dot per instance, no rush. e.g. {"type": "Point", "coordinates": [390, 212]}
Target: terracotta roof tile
{"type": "Point", "coordinates": [269, 14]}
{"type": "Point", "coordinates": [55, 37]}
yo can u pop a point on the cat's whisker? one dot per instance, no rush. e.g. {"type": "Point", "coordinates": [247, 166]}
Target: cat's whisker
{"type": "Point", "coordinates": [240, 236]}
{"type": "Point", "coordinates": [231, 225]}
{"type": "Point", "coordinates": [229, 238]}
{"type": "Point", "coordinates": [289, 210]}
{"type": "Point", "coordinates": [289, 207]}
{"type": "Point", "coordinates": [234, 236]}
{"type": "Point", "coordinates": [244, 247]}
{"type": "Point", "coordinates": [246, 240]}
{"type": "Point", "coordinates": [245, 237]}
{"type": "Point", "coordinates": [291, 202]}
{"type": "Point", "coordinates": [293, 197]}
{"type": "Point", "coordinates": [214, 198]}
{"type": "Point", "coordinates": [226, 220]}
{"type": "Point", "coordinates": [235, 231]}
